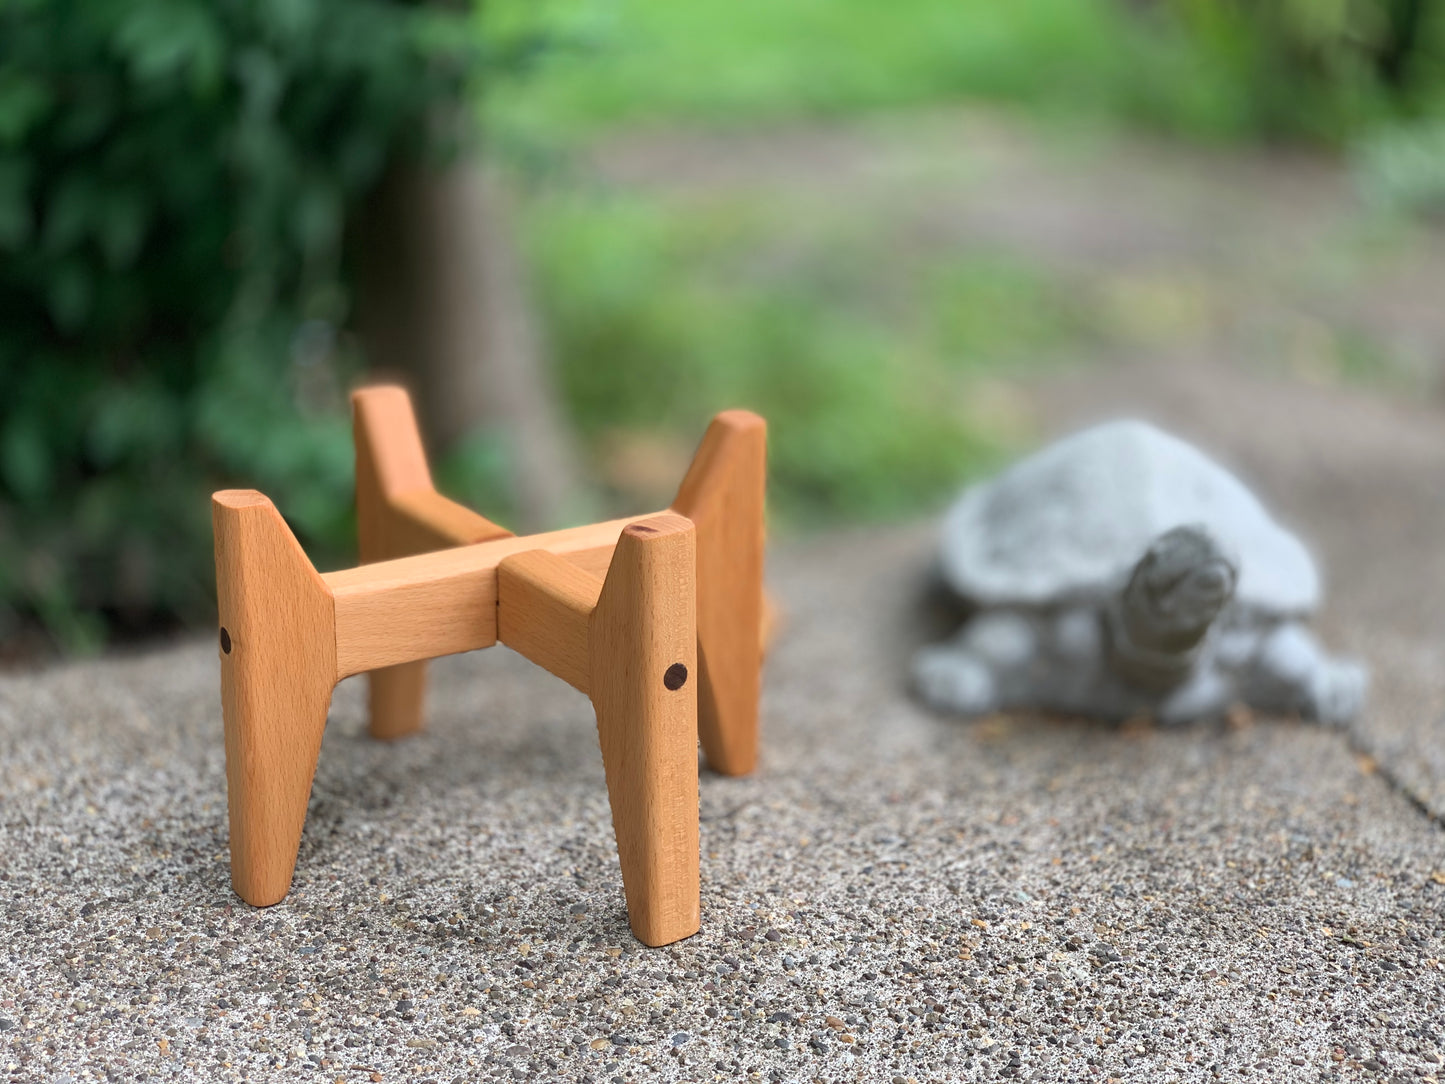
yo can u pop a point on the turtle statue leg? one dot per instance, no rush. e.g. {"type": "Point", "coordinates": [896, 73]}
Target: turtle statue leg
{"type": "Point", "coordinates": [951, 678]}
{"type": "Point", "coordinates": [1291, 672]}
{"type": "Point", "coordinates": [1206, 695]}
{"type": "Point", "coordinates": [976, 672]}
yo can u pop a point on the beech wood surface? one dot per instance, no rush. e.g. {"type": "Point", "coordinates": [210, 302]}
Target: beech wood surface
{"type": "Point", "coordinates": [438, 603]}
{"type": "Point", "coordinates": [399, 513]}
{"type": "Point", "coordinates": [544, 603]}
{"type": "Point", "coordinates": [643, 633]}
{"type": "Point", "coordinates": [723, 494]}
{"type": "Point", "coordinates": [278, 667]}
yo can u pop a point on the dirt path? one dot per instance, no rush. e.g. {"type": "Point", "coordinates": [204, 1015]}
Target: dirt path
{"type": "Point", "coordinates": [1268, 255]}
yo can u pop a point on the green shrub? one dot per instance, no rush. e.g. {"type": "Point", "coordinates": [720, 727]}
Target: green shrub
{"type": "Point", "coordinates": [1324, 70]}
{"type": "Point", "coordinates": [1318, 69]}
{"type": "Point", "coordinates": [175, 181]}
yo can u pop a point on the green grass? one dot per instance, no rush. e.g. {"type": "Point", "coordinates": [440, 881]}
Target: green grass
{"type": "Point", "coordinates": [751, 59]}
{"type": "Point", "coordinates": [1197, 69]}
{"type": "Point", "coordinates": [865, 360]}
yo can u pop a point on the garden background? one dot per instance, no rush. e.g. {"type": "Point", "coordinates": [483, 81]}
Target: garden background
{"type": "Point", "coordinates": [867, 222]}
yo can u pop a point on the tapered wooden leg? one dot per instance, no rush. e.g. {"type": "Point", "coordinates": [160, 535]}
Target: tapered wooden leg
{"type": "Point", "coordinates": [396, 699]}
{"type": "Point", "coordinates": [723, 494]}
{"type": "Point", "coordinates": [278, 666]}
{"type": "Point", "coordinates": [389, 459]}
{"type": "Point", "coordinates": [642, 643]}
{"type": "Point", "coordinates": [399, 513]}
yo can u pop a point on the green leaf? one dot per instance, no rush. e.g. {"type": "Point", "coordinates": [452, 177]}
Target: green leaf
{"type": "Point", "coordinates": [167, 41]}
{"type": "Point", "coordinates": [122, 227]}
{"type": "Point", "coordinates": [16, 219]}
{"type": "Point", "coordinates": [71, 294]}
{"type": "Point", "coordinates": [25, 459]}
{"type": "Point", "coordinates": [317, 218]}
{"type": "Point", "coordinates": [23, 104]}
{"type": "Point", "coordinates": [73, 206]}
{"type": "Point", "coordinates": [138, 424]}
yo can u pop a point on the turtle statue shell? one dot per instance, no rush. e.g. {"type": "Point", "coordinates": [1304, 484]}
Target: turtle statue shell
{"type": "Point", "coordinates": [1069, 522]}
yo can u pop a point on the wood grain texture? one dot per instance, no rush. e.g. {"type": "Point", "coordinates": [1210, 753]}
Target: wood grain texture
{"type": "Point", "coordinates": [396, 700]}
{"type": "Point", "coordinates": [398, 514]}
{"type": "Point", "coordinates": [398, 511]}
{"type": "Point", "coordinates": [278, 667]}
{"type": "Point", "coordinates": [643, 633]}
{"type": "Point", "coordinates": [388, 442]}
{"type": "Point", "coordinates": [544, 603]}
{"type": "Point", "coordinates": [424, 520]}
{"type": "Point", "coordinates": [724, 494]}
{"type": "Point", "coordinates": [440, 603]}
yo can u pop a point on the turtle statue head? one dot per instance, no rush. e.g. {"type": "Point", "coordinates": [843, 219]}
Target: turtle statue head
{"type": "Point", "coordinates": [1180, 585]}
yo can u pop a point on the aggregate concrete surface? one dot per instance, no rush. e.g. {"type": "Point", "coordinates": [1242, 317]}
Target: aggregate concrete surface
{"type": "Point", "coordinates": [894, 896]}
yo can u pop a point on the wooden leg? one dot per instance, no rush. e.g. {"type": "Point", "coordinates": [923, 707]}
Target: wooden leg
{"type": "Point", "coordinates": [278, 666]}
{"type": "Point", "coordinates": [389, 458]}
{"type": "Point", "coordinates": [396, 697]}
{"type": "Point", "coordinates": [723, 494]}
{"type": "Point", "coordinates": [399, 514]}
{"type": "Point", "coordinates": [642, 641]}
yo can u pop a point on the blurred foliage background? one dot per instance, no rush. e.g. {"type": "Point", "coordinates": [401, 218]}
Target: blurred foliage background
{"type": "Point", "coordinates": [1315, 69]}
{"type": "Point", "coordinates": [869, 355]}
{"type": "Point", "coordinates": [175, 180]}
{"type": "Point", "coordinates": [181, 183]}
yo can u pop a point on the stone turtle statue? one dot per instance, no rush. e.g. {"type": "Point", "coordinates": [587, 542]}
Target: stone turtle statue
{"type": "Point", "coordinates": [1120, 572]}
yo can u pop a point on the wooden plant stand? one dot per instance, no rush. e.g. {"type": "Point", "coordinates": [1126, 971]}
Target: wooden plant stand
{"type": "Point", "coordinates": [657, 618]}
